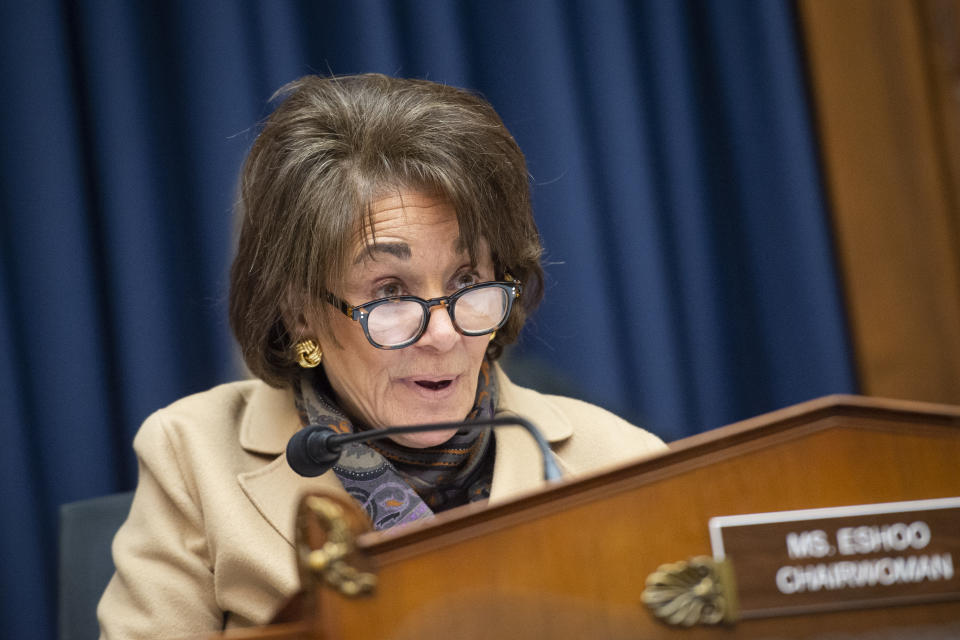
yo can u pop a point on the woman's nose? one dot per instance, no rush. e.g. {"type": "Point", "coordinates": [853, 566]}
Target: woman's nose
{"type": "Point", "coordinates": [440, 333]}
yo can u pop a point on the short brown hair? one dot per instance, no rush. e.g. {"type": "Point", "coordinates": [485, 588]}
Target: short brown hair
{"type": "Point", "coordinates": [332, 147]}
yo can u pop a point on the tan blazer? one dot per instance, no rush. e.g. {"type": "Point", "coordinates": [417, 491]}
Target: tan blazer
{"type": "Point", "coordinates": [209, 540]}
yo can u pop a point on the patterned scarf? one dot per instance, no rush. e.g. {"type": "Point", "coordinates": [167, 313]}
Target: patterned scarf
{"type": "Point", "coordinates": [397, 484]}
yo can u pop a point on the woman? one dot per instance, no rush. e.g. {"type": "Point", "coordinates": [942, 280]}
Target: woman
{"type": "Point", "coordinates": [387, 254]}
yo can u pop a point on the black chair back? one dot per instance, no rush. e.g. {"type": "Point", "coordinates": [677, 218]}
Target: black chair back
{"type": "Point", "coordinates": [87, 528]}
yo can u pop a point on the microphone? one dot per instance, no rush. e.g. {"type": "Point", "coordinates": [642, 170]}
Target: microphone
{"type": "Point", "coordinates": [314, 449]}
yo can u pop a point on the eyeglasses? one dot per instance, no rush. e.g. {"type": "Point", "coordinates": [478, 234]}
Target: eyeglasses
{"type": "Point", "coordinates": [399, 321]}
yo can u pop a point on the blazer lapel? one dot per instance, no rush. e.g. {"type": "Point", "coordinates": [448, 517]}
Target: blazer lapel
{"type": "Point", "coordinates": [276, 490]}
{"type": "Point", "coordinates": [268, 423]}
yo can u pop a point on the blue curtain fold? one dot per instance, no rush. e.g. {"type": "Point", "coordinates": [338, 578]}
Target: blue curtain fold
{"type": "Point", "coordinates": [690, 275]}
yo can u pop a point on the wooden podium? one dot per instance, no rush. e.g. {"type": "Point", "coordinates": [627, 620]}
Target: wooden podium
{"type": "Point", "coordinates": [580, 560]}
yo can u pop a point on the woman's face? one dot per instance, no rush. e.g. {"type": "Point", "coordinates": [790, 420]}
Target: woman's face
{"type": "Point", "coordinates": [415, 250]}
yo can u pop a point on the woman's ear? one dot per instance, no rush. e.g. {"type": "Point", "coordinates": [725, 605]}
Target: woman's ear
{"type": "Point", "coordinates": [305, 322]}
{"type": "Point", "coordinates": [297, 326]}
{"type": "Point", "coordinates": [294, 319]}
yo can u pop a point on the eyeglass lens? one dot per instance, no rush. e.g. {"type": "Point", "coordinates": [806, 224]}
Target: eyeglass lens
{"type": "Point", "coordinates": [480, 310]}
{"type": "Point", "coordinates": [394, 322]}
{"type": "Point", "coordinates": [476, 311]}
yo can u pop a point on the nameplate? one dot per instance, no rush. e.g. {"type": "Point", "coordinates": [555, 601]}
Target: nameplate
{"type": "Point", "coordinates": [791, 562]}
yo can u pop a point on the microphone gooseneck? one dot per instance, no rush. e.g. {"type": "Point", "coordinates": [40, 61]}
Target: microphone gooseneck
{"type": "Point", "coordinates": [315, 449]}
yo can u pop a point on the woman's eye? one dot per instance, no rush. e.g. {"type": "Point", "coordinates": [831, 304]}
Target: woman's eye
{"type": "Point", "coordinates": [466, 279]}
{"type": "Point", "coordinates": [389, 290]}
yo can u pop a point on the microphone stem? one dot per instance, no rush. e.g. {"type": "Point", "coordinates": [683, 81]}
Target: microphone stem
{"type": "Point", "coordinates": [551, 472]}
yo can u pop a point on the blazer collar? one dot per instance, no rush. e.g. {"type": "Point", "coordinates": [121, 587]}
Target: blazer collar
{"type": "Point", "coordinates": [518, 467]}
{"type": "Point", "coordinates": [534, 406]}
{"type": "Point", "coordinates": [271, 419]}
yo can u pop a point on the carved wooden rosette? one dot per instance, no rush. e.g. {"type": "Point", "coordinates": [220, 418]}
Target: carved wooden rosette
{"type": "Point", "coordinates": [698, 591]}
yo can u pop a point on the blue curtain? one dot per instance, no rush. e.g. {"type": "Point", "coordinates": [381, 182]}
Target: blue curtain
{"type": "Point", "coordinates": [690, 275]}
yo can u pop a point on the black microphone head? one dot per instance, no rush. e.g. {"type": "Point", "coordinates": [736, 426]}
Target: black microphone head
{"type": "Point", "coordinates": [311, 453]}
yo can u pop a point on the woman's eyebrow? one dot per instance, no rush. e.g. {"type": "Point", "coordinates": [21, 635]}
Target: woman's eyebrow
{"type": "Point", "coordinates": [401, 250]}
{"type": "Point", "coordinates": [396, 249]}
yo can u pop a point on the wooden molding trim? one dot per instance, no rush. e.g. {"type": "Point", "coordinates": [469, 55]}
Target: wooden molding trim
{"type": "Point", "coordinates": [885, 84]}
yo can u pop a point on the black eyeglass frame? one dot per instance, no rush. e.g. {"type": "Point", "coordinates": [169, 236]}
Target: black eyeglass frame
{"type": "Point", "coordinates": [361, 312]}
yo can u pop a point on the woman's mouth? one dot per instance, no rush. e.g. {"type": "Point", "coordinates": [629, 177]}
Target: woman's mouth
{"type": "Point", "coordinates": [433, 388]}
{"type": "Point", "coordinates": [433, 385]}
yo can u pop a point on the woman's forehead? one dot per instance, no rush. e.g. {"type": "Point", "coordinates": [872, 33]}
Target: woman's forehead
{"type": "Point", "coordinates": [409, 208]}
{"type": "Point", "coordinates": [399, 223]}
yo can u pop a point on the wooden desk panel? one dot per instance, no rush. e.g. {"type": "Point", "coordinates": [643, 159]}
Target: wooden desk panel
{"type": "Point", "coordinates": [572, 562]}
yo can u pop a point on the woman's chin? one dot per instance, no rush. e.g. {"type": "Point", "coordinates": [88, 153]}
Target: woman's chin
{"type": "Point", "coordinates": [424, 439]}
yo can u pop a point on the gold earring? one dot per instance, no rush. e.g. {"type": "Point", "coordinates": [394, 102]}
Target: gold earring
{"type": "Point", "coordinates": [493, 335]}
{"type": "Point", "coordinates": [309, 354]}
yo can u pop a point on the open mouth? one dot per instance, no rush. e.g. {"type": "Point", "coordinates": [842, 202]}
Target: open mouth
{"type": "Point", "coordinates": [434, 385]}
